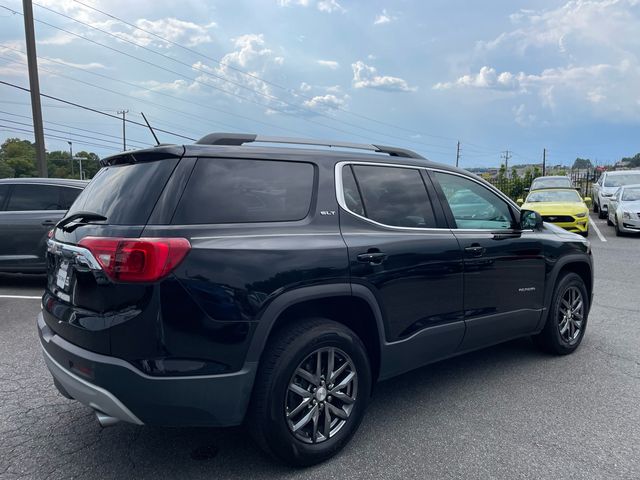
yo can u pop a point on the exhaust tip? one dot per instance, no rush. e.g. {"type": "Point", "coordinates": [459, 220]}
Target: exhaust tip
{"type": "Point", "coordinates": [106, 420]}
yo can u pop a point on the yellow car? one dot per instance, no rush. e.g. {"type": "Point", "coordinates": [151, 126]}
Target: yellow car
{"type": "Point", "coordinates": [562, 206]}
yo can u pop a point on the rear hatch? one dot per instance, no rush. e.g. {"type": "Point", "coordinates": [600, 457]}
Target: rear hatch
{"type": "Point", "coordinates": [88, 258]}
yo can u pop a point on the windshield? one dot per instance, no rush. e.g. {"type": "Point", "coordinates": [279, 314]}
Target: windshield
{"type": "Point", "coordinates": [554, 196]}
{"type": "Point", "coordinates": [551, 182]}
{"type": "Point", "coordinates": [631, 194]}
{"type": "Point", "coordinates": [620, 180]}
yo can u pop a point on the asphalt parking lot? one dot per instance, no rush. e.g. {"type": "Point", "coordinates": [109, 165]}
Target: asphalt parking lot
{"type": "Point", "coordinates": [504, 412]}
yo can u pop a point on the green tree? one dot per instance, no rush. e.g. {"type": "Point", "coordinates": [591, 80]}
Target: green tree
{"type": "Point", "coordinates": [582, 163]}
{"type": "Point", "coordinates": [17, 159]}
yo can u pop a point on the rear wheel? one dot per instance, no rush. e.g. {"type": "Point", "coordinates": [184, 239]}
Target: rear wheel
{"type": "Point", "coordinates": [567, 319]}
{"type": "Point", "coordinates": [595, 207]}
{"type": "Point", "coordinates": [312, 389]}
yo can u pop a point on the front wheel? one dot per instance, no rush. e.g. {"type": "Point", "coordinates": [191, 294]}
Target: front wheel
{"type": "Point", "coordinates": [567, 319]}
{"type": "Point", "coordinates": [617, 227]}
{"type": "Point", "coordinates": [311, 391]}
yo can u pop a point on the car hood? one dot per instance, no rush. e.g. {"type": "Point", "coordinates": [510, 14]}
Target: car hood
{"type": "Point", "coordinates": [549, 208]}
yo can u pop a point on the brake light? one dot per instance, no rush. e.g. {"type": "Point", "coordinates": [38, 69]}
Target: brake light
{"type": "Point", "coordinates": [137, 259]}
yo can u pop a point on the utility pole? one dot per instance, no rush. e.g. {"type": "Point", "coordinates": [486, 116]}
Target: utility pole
{"type": "Point", "coordinates": [34, 88]}
{"type": "Point", "coordinates": [124, 130]}
{"type": "Point", "coordinates": [458, 154]}
{"type": "Point", "coordinates": [506, 155]}
{"type": "Point", "coordinates": [81, 171]}
{"type": "Point", "coordinates": [544, 161]}
{"type": "Point", "coordinates": [71, 155]}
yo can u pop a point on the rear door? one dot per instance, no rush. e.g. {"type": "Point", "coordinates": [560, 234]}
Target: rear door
{"type": "Point", "coordinates": [504, 268]}
{"type": "Point", "coordinates": [400, 250]}
{"type": "Point", "coordinates": [31, 210]}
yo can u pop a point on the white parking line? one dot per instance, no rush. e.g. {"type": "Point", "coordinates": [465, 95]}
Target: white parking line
{"type": "Point", "coordinates": [28, 297]}
{"type": "Point", "coordinates": [595, 227]}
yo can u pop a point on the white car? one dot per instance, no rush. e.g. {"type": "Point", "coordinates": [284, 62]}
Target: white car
{"type": "Point", "coordinates": [624, 209]}
{"type": "Point", "coordinates": [606, 186]}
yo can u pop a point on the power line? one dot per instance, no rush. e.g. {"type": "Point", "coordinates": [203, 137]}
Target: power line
{"type": "Point", "coordinates": [195, 80]}
{"type": "Point", "coordinates": [139, 87]}
{"type": "Point", "coordinates": [51, 97]}
{"type": "Point", "coordinates": [57, 137]}
{"type": "Point", "coordinates": [137, 142]}
{"type": "Point", "coordinates": [79, 135]}
{"type": "Point", "coordinates": [256, 77]}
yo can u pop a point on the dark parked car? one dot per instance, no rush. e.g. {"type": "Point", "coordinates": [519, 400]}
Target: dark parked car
{"type": "Point", "coordinates": [221, 283]}
{"type": "Point", "coordinates": [29, 208]}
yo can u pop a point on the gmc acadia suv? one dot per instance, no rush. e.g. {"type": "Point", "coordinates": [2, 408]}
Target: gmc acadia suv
{"type": "Point", "coordinates": [218, 283]}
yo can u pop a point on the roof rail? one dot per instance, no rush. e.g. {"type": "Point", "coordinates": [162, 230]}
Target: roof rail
{"type": "Point", "coordinates": [242, 138]}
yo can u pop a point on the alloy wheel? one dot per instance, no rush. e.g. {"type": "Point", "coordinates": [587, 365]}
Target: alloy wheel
{"type": "Point", "coordinates": [571, 315]}
{"type": "Point", "coordinates": [321, 395]}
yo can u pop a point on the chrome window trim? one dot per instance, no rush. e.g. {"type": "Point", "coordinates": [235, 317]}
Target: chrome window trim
{"type": "Point", "coordinates": [341, 201]}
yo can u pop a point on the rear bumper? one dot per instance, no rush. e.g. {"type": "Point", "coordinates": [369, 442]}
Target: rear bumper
{"type": "Point", "coordinates": [116, 388]}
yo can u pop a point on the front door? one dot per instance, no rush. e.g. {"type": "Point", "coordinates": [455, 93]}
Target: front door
{"type": "Point", "coordinates": [504, 267]}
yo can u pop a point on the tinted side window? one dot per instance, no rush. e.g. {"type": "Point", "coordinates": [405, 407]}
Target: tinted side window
{"type": "Point", "coordinates": [474, 206]}
{"type": "Point", "coordinates": [4, 190]}
{"type": "Point", "coordinates": [394, 196]}
{"type": "Point", "coordinates": [244, 191]}
{"type": "Point", "coordinates": [352, 197]}
{"type": "Point", "coordinates": [68, 196]}
{"type": "Point", "coordinates": [34, 197]}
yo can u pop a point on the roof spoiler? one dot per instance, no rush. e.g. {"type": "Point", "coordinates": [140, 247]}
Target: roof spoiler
{"type": "Point", "coordinates": [160, 152]}
{"type": "Point", "coordinates": [236, 139]}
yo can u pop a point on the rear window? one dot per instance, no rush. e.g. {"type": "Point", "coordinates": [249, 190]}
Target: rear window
{"type": "Point", "coordinates": [245, 191]}
{"type": "Point", "coordinates": [125, 194]}
{"type": "Point", "coordinates": [623, 179]}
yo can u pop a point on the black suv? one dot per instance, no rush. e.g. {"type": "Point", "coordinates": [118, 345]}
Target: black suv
{"type": "Point", "coordinates": [209, 284]}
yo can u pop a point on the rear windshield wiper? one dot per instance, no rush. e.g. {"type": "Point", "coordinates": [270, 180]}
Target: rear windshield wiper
{"type": "Point", "coordinates": [64, 223]}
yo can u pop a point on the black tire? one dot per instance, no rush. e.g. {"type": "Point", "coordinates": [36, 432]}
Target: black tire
{"type": "Point", "coordinates": [586, 233]}
{"type": "Point", "coordinates": [287, 349]}
{"type": "Point", "coordinates": [601, 214]}
{"type": "Point", "coordinates": [551, 339]}
{"type": "Point", "coordinates": [618, 232]}
{"type": "Point", "coordinates": [595, 207]}
{"type": "Point", "coordinates": [609, 222]}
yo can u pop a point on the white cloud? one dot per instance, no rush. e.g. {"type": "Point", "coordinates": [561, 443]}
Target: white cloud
{"type": "Point", "coordinates": [288, 3]}
{"type": "Point", "coordinates": [365, 76]}
{"type": "Point", "coordinates": [487, 77]}
{"type": "Point", "coordinates": [584, 59]}
{"type": "Point", "coordinates": [327, 6]}
{"type": "Point", "coordinates": [606, 90]}
{"type": "Point", "coordinates": [325, 102]}
{"type": "Point", "coordinates": [332, 64]}
{"type": "Point", "coordinates": [383, 18]}
{"type": "Point", "coordinates": [330, 6]}
{"type": "Point", "coordinates": [304, 87]}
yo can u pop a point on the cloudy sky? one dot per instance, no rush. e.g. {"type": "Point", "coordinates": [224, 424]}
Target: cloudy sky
{"type": "Point", "coordinates": [496, 75]}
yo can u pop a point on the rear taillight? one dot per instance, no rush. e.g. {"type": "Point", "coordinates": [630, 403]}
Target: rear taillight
{"type": "Point", "coordinates": [137, 259]}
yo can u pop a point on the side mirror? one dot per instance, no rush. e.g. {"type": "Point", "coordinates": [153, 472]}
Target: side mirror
{"type": "Point", "coordinates": [587, 200]}
{"type": "Point", "coordinates": [530, 220]}
{"type": "Point", "coordinates": [519, 201]}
